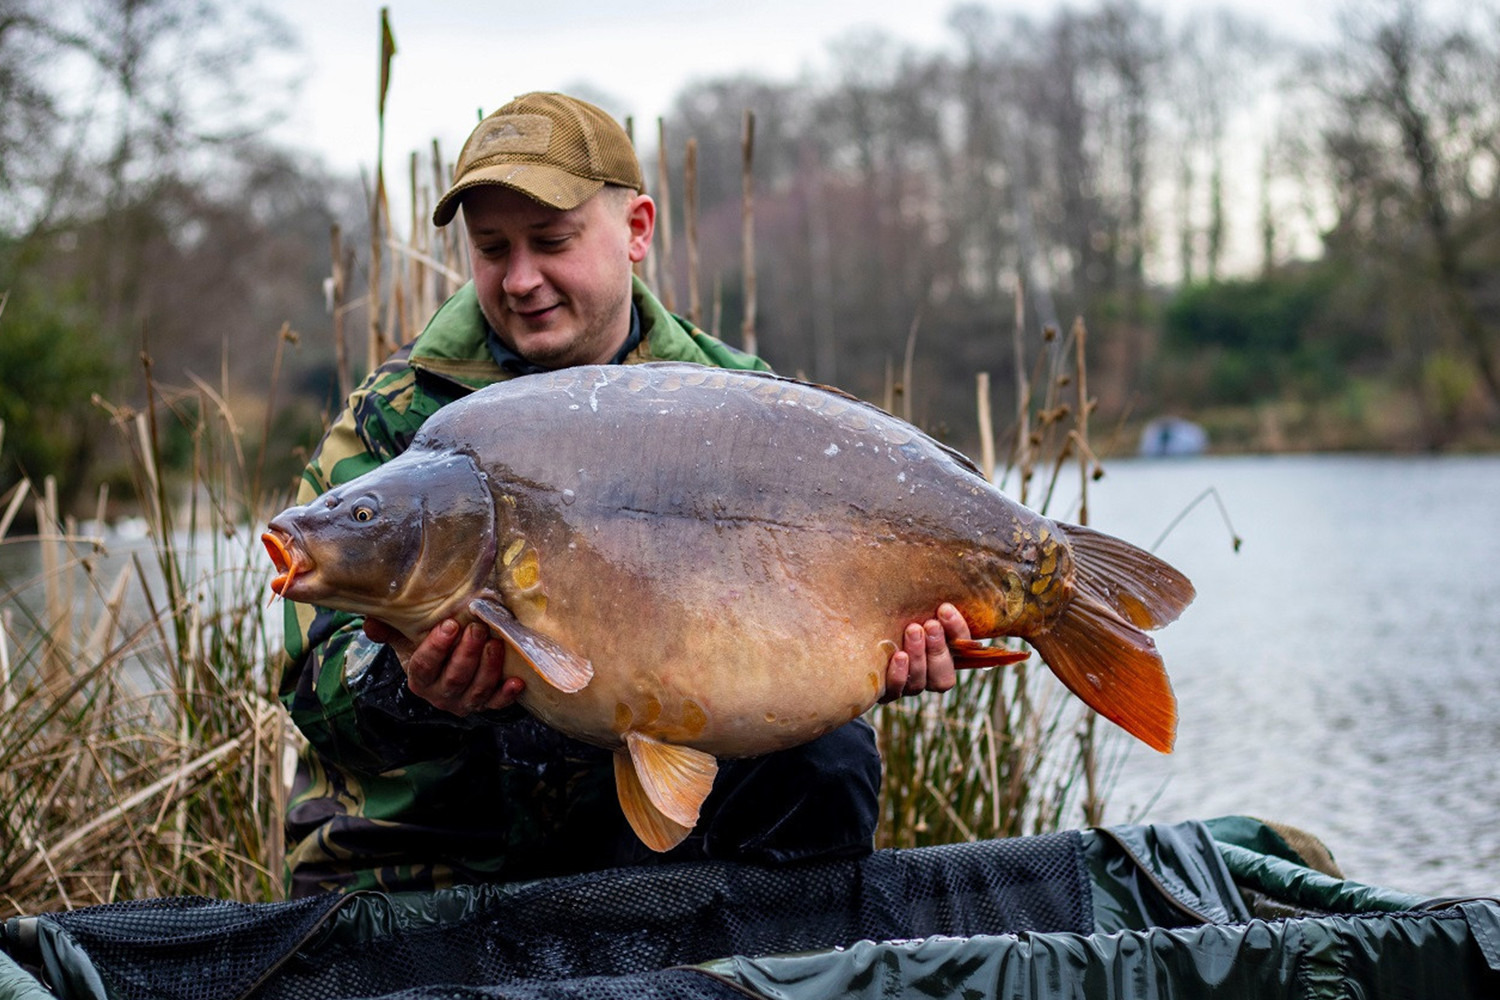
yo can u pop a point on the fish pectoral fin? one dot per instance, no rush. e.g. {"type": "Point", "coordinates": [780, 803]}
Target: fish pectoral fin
{"type": "Point", "coordinates": [676, 779]}
{"type": "Point", "coordinates": [557, 665]}
{"type": "Point", "coordinates": [655, 830]}
{"type": "Point", "coordinates": [1114, 667]}
{"type": "Point", "coordinates": [972, 654]}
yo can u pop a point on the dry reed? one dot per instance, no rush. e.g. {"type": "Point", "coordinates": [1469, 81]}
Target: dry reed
{"type": "Point", "coordinates": [142, 739]}
{"type": "Point", "coordinates": [1008, 752]}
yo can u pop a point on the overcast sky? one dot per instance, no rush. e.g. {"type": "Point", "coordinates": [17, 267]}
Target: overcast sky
{"type": "Point", "coordinates": [455, 57]}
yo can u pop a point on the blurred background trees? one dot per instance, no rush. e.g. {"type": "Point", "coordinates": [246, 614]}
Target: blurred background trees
{"type": "Point", "coordinates": [141, 213]}
{"type": "Point", "coordinates": [1294, 243]}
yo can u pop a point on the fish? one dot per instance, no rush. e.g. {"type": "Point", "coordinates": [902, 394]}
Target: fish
{"type": "Point", "coordinates": [694, 564]}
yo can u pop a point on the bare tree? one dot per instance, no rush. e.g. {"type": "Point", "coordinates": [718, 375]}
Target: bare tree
{"type": "Point", "coordinates": [1222, 63]}
{"type": "Point", "coordinates": [144, 116]}
{"type": "Point", "coordinates": [1416, 128]}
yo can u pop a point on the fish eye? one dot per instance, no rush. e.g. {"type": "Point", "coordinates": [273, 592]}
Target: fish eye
{"type": "Point", "coordinates": [364, 513]}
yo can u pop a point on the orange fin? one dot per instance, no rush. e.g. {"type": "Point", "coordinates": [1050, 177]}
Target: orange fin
{"type": "Point", "coordinates": [557, 665]}
{"type": "Point", "coordinates": [655, 830]}
{"type": "Point", "coordinates": [1114, 667]}
{"type": "Point", "coordinates": [675, 778]}
{"type": "Point", "coordinates": [973, 654]}
{"type": "Point", "coordinates": [1145, 590]}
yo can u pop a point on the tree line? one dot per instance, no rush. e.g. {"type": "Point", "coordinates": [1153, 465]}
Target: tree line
{"type": "Point", "coordinates": [1254, 228]}
{"type": "Point", "coordinates": [1294, 242]}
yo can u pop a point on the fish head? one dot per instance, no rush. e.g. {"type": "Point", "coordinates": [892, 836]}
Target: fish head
{"type": "Point", "coordinates": [406, 543]}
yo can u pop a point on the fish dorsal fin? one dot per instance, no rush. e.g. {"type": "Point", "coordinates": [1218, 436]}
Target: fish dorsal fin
{"type": "Point", "coordinates": [676, 779]}
{"type": "Point", "coordinates": [655, 830]}
{"type": "Point", "coordinates": [557, 665]}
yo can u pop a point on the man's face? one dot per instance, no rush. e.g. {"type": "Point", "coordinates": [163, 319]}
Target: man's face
{"type": "Point", "coordinates": [556, 285]}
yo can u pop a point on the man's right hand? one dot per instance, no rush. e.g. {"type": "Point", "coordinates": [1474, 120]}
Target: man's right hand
{"type": "Point", "coordinates": [458, 669]}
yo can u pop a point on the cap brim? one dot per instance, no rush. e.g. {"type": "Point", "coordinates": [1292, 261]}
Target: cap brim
{"type": "Point", "coordinates": [543, 184]}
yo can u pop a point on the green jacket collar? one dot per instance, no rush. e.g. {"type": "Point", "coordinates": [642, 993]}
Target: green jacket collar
{"type": "Point", "coordinates": [453, 344]}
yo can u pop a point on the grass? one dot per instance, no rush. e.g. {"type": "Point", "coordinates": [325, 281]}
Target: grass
{"type": "Point", "coordinates": [142, 742]}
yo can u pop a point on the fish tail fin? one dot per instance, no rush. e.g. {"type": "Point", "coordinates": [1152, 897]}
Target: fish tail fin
{"type": "Point", "coordinates": [1114, 667]}
{"type": "Point", "coordinates": [1145, 590]}
{"type": "Point", "coordinates": [1097, 647]}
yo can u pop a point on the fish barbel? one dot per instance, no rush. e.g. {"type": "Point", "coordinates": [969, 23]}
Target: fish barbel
{"type": "Point", "coordinates": [658, 543]}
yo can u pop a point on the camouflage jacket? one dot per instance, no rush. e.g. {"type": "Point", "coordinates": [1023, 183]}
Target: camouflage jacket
{"type": "Point", "coordinates": [391, 792]}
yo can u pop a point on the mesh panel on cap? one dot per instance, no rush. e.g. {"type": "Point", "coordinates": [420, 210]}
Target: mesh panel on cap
{"type": "Point", "coordinates": [586, 145]}
{"type": "Point", "coordinates": [574, 147]}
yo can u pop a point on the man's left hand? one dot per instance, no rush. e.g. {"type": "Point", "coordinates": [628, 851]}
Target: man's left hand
{"type": "Point", "coordinates": [924, 663]}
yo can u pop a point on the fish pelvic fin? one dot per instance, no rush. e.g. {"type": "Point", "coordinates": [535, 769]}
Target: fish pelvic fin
{"type": "Point", "coordinates": [1114, 667]}
{"type": "Point", "coordinates": [659, 782]}
{"type": "Point", "coordinates": [971, 653]}
{"type": "Point", "coordinates": [555, 663]}
{"type": "Point", "coordinates": [655, 830]}
{"type": "Point", "coordinates": [1143, 589]}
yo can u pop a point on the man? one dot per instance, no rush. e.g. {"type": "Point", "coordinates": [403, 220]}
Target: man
{"type": "Point", "coordinates": [419, 770]}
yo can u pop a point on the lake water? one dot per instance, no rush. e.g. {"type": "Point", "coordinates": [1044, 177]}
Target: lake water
{"type": "Point", "coordinates": [1341, 672]}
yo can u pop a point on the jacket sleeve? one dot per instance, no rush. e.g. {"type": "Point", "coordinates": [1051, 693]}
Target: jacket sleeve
{"type": "Point", "coordinates": [347, 694]}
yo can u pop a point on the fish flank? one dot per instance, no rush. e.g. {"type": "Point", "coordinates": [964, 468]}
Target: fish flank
{"type": "Point", "coordinates": [731, 550]}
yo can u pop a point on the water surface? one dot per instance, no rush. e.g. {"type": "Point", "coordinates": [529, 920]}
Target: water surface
{"type": "Point", "coordinates": [1341, 672]}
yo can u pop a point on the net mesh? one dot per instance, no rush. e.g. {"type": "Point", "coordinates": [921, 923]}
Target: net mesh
{"type": "Point", "coordinates": [618, 933]}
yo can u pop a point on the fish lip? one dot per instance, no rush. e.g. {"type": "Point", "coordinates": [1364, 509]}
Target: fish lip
{"type": "Point", "coordinates": [289, 557]}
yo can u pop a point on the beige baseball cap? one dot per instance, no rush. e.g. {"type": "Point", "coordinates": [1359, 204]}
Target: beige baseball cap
{"type": "Point", "coordinates": [555, 149]}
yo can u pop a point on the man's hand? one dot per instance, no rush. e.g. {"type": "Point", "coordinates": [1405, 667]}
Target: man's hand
{"type": "Point", "coordinates": [458, 669]}
{"type": "Point", "coordinates": [462, 669]}
{"type": "Point", "coordinates": [924, 663]}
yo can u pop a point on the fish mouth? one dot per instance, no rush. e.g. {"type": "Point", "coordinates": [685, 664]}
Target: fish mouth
{"type": "Point", "coordinates": [289, 558]}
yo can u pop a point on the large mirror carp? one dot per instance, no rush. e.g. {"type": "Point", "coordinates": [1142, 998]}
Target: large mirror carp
{"type": "Point", "coordinates": [655, 543]}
